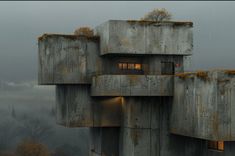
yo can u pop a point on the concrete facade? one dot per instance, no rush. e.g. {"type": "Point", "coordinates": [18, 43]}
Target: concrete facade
{"type": "Point", "coordinates": [205, 102]}
{"type": "Point", "coordinates": [145, 37]}
{"type": "Point", "coordinates": [127, 84]}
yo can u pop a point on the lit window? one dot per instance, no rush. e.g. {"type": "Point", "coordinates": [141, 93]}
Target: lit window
{"type": "Point", "coordinates": [131, 66]}
{"type": "Point", "coordinates": [216, 145]}
{"type": "Point", "coordinates": [138, 67]}
{"type": "Point", "coordinates": [124, 65]}
{"type": "Point", "coordinates": [120, 65]}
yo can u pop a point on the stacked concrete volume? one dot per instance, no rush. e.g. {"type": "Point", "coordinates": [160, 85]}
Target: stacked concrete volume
{"type": "Point", "coordinates": [127, 84]}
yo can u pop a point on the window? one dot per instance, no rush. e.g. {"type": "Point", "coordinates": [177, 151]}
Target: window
{"type": "Point", "coordinates": [122, 65]}
{"type": "Point", "coordinates": [167, 68]}
{"type": "Point", "coordinates": [130, 68]}
{"type": "Point", "coordinates": [216, 145]}
{"type": "Point", "coordinates": [138, 66]}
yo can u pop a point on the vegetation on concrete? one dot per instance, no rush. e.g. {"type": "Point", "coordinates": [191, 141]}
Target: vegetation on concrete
{"type": "Point", "coordinates": [158, 15]}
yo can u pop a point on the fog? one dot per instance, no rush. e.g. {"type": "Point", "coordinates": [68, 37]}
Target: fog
{"type": "Point", "coordinates": [24, 104]}
{"type": "Point", "coordinates": [27, 111]}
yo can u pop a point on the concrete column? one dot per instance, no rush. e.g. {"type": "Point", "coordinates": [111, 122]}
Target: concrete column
{"type": "Point", "coordinates": [104, 141]}
{"type": "Point", "coordinates": [139, 135]}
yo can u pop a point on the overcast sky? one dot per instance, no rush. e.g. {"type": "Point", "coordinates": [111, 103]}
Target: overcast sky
{"type": "Point", "coordinates": [22, 22]}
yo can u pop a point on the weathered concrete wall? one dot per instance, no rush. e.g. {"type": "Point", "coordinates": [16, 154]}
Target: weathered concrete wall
{"type": "Point", "coordinates": [151, 64]}
{"type": "Point", "coordinates": [140, 130]}
{"type": "Point", "coordinates": [204, 105]}
{"type": "Point", "coordinates": [67, 59]}
{"type": "Point", "coordinates": [104, 141]}
{"type": "Point", "coordinates": [145, 37]}
{"type": "Point", "coordinates": [75, 108]}
{"type": "Point", "coordinates": [145, 130]}
{"type": "Point", "coordinates": [132, 85]}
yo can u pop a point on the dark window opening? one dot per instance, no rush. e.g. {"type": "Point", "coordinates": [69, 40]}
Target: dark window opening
{"type": "Point", "coordinates": [167, 68]}
{"type": "Point", "coordinates": [216, 145]}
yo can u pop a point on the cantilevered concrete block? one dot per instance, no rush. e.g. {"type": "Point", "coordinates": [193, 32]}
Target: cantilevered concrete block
{"type": "Point", "coordinates": [75, 108]}
{"type": "Point", "coordinates": [132, 85]}
{"type": "Point", "coordinates": [145, 37]}
{"type": "Point", "coordinates": [67, 59]}
{"type": "Point", "coordinates": [204, 105]}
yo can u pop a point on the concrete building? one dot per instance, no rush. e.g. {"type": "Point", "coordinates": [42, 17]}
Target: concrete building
{"type": "Point", "coordinates": [127, 84]}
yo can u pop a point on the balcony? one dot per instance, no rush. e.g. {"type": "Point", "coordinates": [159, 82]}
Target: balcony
{"type": "Point", "coordinates": [132, 85]}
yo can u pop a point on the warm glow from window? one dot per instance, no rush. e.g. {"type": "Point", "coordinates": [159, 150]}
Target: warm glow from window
{"type": "Point", "coordinates": [120, 65]}
{"type": "Point", "coordinates": [130, 66]}
{"type": "Point", "coordinates": [216, 145]}
{"type": "Point", "coordinates": [124, 66]}
{"type": "Point", "coordinates": [138, 67]}
{"type": "Point", "coordinates": [221, 145]}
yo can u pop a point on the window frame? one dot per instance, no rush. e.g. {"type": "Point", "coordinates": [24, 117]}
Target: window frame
{"type": "Point", "coordinates": [130, 67]}
{"type": "Point", "coordinates": [215, 145]}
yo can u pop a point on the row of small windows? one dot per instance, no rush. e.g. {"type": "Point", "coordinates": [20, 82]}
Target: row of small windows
{"type": "Point", "coordinates": [130, 66]}
{"type": "Point", "coordinates": [167, 68]}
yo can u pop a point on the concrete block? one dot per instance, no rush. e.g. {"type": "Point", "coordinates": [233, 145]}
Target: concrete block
{"type": "Point", "coordinates": [204, 105]}
{"type": "Point", "coordinates": [145, 37]}
{"type": "Point", "coordinates": [67, 59]}
{"type": "Point", "coordinates": [75, 108]}
{"type": "Point", "coordinates": [132, 85]}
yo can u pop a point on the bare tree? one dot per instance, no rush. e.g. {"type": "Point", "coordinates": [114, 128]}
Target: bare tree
{"type": "Point", "coordinates": [158, 15]}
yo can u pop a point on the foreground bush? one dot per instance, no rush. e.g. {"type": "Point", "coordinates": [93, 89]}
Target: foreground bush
{"type": "Point", "coordinates": [32, 148]}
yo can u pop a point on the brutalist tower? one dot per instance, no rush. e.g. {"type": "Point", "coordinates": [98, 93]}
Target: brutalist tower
{"type": "Point", "coordinates": [127, 84]}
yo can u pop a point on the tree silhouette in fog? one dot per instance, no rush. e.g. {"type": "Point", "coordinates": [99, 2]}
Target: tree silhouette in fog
{"type": "Point", "coordinates": [158, 15]}
{"type": "Point", "coordinates": [36, 129]}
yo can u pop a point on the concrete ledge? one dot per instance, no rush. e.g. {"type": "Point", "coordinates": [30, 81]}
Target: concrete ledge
{"type": "Point", "coordinates": [145, 37]}
{"type": "Point", "coordinates": [132, 85]}
{"type": "Point", "coordinates": [204, 105]}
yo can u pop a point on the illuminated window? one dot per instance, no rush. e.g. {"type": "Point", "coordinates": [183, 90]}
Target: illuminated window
{"type": "Point", "coordinates": [216, 145]}
{"type": "Point", "coordinates": [130, 67]}
{"type": "Point", "coordinates": [138, 67]}
{"type": "Point", "coordinates": [122, 65]}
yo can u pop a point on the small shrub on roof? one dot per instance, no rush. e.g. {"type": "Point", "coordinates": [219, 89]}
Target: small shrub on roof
{"type": "Point", "coordinates": [84, 31]}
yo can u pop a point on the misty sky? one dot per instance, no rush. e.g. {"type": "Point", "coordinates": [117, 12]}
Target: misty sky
{"type": "Point", "coordinates": [22, 22]}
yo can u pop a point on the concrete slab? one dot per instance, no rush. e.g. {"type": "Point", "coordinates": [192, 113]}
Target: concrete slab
{"type": "Point", "coordinates": [132, 85]}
